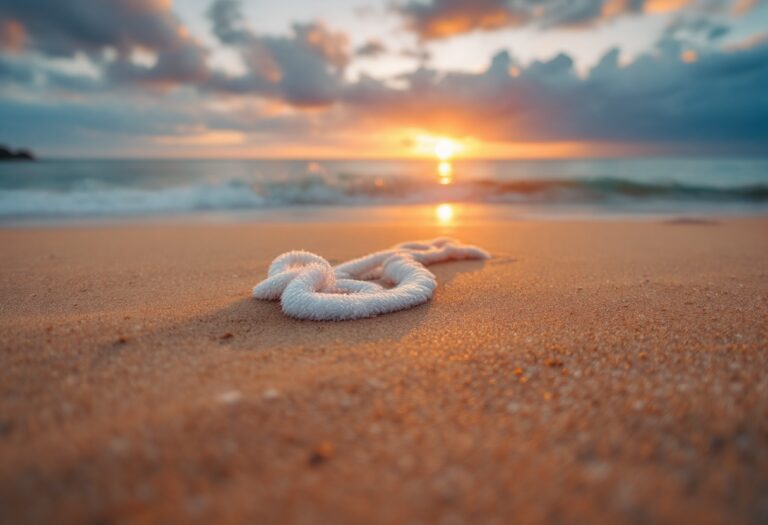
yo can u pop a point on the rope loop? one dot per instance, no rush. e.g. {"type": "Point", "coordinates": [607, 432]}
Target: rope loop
{"type": "Point", "coordinates": [309, 287]}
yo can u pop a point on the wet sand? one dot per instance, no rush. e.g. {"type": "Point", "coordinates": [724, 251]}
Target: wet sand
{"type": "Point", "coordinates": [591, 372]}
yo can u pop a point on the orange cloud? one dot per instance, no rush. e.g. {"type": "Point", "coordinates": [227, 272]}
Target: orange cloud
{"type": "Point", "coordinates": [689, 56]}
{"type": "Point", "coordinates": [744, 6]}
{"type": "Point", "coordinates": [12, 36]}
{"type": "Point", "coordinates": [664, 6]}
{"type": "Point", "coordinates": [459, 23]}
{"type": "Point", "coordinates": [613, 8]}
{"type": "Point", "coordinates": [435, 19]}
{"type": "Point", "coordinates": [749, 42]}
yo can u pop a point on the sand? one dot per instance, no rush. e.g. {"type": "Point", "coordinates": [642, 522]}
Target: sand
{"type": "Point", "coordinates": [610, 372]}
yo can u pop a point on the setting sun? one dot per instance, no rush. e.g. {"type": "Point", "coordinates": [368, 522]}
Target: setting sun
{"type": "Point", "coordinates": [445, 149]}
{"type": "Point", "coordinates": [444, 213]}
{"type": "Point", "coordinates": [442, 148]}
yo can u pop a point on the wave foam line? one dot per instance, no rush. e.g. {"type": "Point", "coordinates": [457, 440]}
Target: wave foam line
{"type": "Point", "coordinates": [308, 287]}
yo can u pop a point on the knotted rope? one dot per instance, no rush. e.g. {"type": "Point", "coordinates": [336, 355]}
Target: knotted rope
{"type": "Point", "coordinates": [308, 287]}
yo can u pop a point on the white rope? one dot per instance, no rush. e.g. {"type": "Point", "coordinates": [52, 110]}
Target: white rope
{"type": "Point", "coordinates": [308, 287]}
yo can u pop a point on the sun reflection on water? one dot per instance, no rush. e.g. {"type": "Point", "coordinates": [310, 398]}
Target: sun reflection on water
{"type": "Point", "coordinates": [445, 172]}
{"type": "Point", "coordinates": [444, 213]}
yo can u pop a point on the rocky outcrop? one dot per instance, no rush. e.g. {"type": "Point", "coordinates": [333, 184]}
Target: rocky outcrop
{"type": "Point", "coordinates": [7, 153]}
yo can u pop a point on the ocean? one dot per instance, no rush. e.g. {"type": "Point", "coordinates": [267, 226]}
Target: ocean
{"type": "Point", "coordinates": [81, 189]}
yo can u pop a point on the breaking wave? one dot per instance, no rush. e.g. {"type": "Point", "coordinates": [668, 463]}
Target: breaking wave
{"type": "Point", "coordinates": [100, 199]}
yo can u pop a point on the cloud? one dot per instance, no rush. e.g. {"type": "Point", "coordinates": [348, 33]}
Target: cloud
{"type": "Point", "coordinates": [228, 22]}
{"type": "Point", "coordinates": [697, 26]}
{"type": "Point", "coordinates": [12, 36]}
{"type": "Point", "coordinates": [182, 65]}
{"type": "Point", "coordinates": [443, 18]}
{"type": "Point", "coordinates": [15, 72]}
{"type": "Point", "coordinates": [109, 32]}
{"type": "Point", "coordinates": [657, 97]}
{"type": "Point", "coordinates": [742, 7]}
{"type": "Point", "coordinates": [64, 28]}
{"type": "Point", "coordinates": [372, 48]}
{"type": "Point", "coordinates": [305, 68]}
{"type": "Point", "coordinates": [687, 89]}
{"type": "Point", "coordinates": [749, 42]}
{"type": "Point", "coordinates": [40, 77]}
{"type": "Point", "coordinates": [436, 19]}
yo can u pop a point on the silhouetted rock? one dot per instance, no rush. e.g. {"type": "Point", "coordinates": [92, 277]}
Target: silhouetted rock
{"type": "Point", "coordinates": [7, 153]}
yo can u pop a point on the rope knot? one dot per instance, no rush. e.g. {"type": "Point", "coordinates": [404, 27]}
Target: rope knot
{"type": "Point", "coordinates": [308, 287]}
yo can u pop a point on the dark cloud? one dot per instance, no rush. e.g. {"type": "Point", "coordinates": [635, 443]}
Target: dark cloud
{"type": "Point", "coordinates": [172, 68]}
{"type": "Point", "coordinates": [697, 26]}
{"type": "Point", "coordinates": [97, 28]}
{"type": "Point", "coordinates": [304, 68]}
{"type": "Point", "coordinates": [657, 97]}
{"type": "Point", "coordinates": [63, 28]}
{"type": "Point", "coordinates": [372, 48]}
{"type": "Point", "coordinates": [14, 72]}
{"type": "Point", "coordinates": [228, 22]}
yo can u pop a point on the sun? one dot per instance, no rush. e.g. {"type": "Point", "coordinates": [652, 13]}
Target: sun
{"type": "Point", "coordinates": [441, 147]}
{"type": "Point", "coordinates": [444, 213]}
{"type": "Point", "coordinates": [445, 149]}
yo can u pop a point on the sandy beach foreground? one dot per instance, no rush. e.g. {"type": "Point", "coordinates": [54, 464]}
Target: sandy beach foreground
{"type": "Point", "coordinates": [591, 372]}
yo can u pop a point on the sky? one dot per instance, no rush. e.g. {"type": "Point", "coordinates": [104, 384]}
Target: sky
{"type": "Point", "coordinates": [387, 78]}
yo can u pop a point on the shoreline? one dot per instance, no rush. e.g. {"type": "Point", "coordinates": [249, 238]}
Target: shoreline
{"type": "Point", "coordinates": [462, 214]}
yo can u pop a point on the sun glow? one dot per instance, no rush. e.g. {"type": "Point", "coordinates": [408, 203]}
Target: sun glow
{"type": "Point", "coordinates": [444, 213]}
{"type": "Point", "coordinates": [445, 149]}
{"type": "Point", "coordinates": [440, 147]}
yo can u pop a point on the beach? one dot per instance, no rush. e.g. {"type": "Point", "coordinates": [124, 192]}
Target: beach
{"type": "Point", "coordinates": [592, 371]}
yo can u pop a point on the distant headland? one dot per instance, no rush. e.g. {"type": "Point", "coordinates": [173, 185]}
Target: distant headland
{"type": "Point", "coordinates": [7, 153]}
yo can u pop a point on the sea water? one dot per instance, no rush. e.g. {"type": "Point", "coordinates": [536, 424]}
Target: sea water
{"type": "Point", "coordinates": [57, 189]}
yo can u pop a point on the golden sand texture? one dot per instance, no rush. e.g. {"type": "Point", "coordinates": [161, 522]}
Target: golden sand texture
{"type": "Point", "coordinates": [591, 372]}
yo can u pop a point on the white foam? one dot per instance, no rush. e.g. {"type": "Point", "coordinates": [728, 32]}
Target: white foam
{"type": "Point", "coordinates": [308, 287]}
{"type": "Point", "coordinates": [116, 201]}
